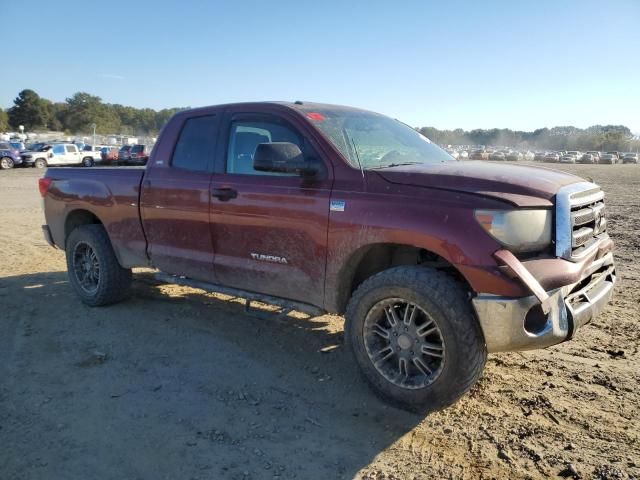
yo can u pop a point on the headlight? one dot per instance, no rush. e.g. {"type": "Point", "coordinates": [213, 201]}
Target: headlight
{"type": "Point", "coordinates": [518, 230]}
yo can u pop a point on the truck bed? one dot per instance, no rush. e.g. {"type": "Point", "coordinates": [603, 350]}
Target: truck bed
{"type": "Point", "coordinates": [111, 194]}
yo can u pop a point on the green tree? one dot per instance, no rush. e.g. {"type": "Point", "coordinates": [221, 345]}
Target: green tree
{"type": "Point", "coordinates": [27, 111]}
{"type": "Point", "coordinates": [4, 121]}
{"type": "Point", "coordinates": [51, 114]}
{"type": "Point", "coordinates": [84, 109]}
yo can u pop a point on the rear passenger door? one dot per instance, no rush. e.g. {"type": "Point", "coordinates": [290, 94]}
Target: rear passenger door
{"type": "Point", "coordinates": [175, 201]}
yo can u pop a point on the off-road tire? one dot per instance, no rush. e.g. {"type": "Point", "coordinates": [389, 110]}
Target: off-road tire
{"type": "Point", "coordinates": [445, 300]}
{"type": "Point", "coordinates": [6, 163]}
{"type": "Point", "coordinates": [114, 281]}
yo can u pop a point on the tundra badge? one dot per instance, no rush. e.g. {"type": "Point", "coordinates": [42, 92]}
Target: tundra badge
{"type": "Point", "coordinates": [269, 258]}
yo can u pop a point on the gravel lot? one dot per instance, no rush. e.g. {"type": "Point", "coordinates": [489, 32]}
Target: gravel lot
{"type": "Point", "coordinates": [176, 383]}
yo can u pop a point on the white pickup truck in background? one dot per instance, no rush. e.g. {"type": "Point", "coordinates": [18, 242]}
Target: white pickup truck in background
{"type": "Point", "coordinates": [53, 154]}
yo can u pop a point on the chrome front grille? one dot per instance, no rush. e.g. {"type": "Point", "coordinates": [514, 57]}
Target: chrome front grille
{"type": "Point", "coordinates": [580, 220]}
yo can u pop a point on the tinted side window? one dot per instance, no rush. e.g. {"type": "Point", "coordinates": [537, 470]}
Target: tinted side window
{"type": "Point", "coordinates": [244, 138]}
{"type": "Point", "coordinates": [58, 149]}
{"type": "Point", "coordinates": [196, 144]}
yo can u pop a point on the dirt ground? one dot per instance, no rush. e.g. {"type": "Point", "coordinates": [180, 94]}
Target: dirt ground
{"type": "Point", "coordinates": [179, 384]}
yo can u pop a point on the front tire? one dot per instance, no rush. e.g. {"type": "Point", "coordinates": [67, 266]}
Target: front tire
{"type": "Point", "coordinates": [40, 163]}
{"type": "Point", "coordinates": [415, 337]}
{"type": "Point", "coordinates": [93, 269]}
{"type": "Point", "coordinates": [6, 163]}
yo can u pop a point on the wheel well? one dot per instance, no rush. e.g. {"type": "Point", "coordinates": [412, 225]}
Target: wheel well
{"type": "Point", "coordinates": [375, 258]}
{"type": "Point", "coordinates": [77, 218]}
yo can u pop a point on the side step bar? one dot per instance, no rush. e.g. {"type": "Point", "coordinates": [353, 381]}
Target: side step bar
{"type": "Point", "coordinates": [287, 305]}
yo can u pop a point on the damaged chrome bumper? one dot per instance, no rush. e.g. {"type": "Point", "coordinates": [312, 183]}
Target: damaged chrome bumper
{"type": "Point", "coordinates": [533, 322]}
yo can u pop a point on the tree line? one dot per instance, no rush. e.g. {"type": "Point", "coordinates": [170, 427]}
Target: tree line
{"type": "Point", "coordinates": [81, 110]}
{"type": "Point", "coordinates": [78, 113]}
{"type": "Point", "coordinates": [597, 137]}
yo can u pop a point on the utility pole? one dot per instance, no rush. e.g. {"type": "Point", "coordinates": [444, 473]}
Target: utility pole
{"type": "Point", "coordinates": [93, 125]}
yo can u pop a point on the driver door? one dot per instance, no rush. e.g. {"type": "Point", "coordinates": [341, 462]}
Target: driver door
{"type": "Point", "coordinates": [269, 230]}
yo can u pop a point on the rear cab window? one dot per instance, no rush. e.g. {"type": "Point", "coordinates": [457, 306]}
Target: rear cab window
{"type": "Point", "coordinates": [195, 147]}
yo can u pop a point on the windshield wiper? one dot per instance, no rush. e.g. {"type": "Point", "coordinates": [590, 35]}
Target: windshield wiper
{"type": "Point", "coordinates": [396, 165]}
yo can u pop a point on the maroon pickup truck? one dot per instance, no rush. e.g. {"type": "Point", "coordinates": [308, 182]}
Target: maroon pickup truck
{"type": "Point", "coordinates": [320, 208]}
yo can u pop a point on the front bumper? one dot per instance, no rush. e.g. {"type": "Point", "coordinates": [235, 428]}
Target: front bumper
{"type": "Point", "coordinates": [512, 324]}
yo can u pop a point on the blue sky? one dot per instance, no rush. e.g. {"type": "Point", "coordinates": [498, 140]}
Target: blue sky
{"type": "Point", "coordinates": [467, 64]}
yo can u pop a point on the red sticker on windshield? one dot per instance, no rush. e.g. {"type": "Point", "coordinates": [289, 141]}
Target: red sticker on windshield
{"type": "Point", "coordinates": [318, 117]}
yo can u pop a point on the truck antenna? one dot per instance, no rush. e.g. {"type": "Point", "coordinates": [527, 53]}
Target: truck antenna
{"type": "Point", "coordinates": [357, 157]}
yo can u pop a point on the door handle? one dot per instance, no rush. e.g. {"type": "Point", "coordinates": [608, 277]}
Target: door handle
{"type": "Point", "coordinates": [224, 194]}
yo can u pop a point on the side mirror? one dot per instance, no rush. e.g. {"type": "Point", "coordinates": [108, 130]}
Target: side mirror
{"type": "Point", "coordinates": [282, 157]}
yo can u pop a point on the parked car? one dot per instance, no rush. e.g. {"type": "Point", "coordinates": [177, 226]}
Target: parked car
{"type": "Point", "coordinates": [630, 158]}
{"type": "Point", "coordinates": [57, 154]}
{"type": "Point", "coordinates": [539, 156]}
{"type": "Point", "coordinates": [514, 156]}
{"type": "Point", "coordinates": [479, 155]}
{"type": "Point", "coordinates": [139, 154]}
{"type": "Point", "coordinates": [9, 156]}
{"type": "Point", "coordinates": [552, 157]}
{"type": "Point", "coordinates": [9, 159]}
{"type": "Point", "coordinates": [496, 156]}
{"type": "Point", "coordinates": [608, 158]}
{"type": "Point", "coordinates": [109, 155]}
{"type": "Point", "coordinates": [463, 155]}
{"type": "Point", "coordinates": [617, 154]}
{"type": "Point", "coordinates": [278, 212]}
{"type": "Point", "coordinates": [588, 158]}
{"type": "Point", "coordinates": [124, 154]}
{"type": "Point", "coordinates": [568, 158]}
{"type": "Point", "coordinates": [595, 154]}
{"type": "Point", "coordinates": [91, 154]}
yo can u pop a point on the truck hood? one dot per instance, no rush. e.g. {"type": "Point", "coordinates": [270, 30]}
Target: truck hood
{"type": "Point", "coordinates": [523, 186]}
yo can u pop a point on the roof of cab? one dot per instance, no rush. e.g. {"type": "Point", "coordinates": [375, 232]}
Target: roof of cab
{"type": "Point", "coordinates": [296, 105]}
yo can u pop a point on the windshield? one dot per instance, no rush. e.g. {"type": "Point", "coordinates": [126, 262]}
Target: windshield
{"type": "Point", "coordinates": [373, 140]}
{"type": "Point", "coordinates": [137, 148]}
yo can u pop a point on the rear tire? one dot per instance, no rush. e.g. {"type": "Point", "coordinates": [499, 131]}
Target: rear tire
{"type": "Point", "coordinates": [433, 356]}
{"type": "Point", "coordinates": [87, 162]}
{"type": "Point", "coordinates": [6, 163]}
{"type": "Point", "coordinates": [93, 269]}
